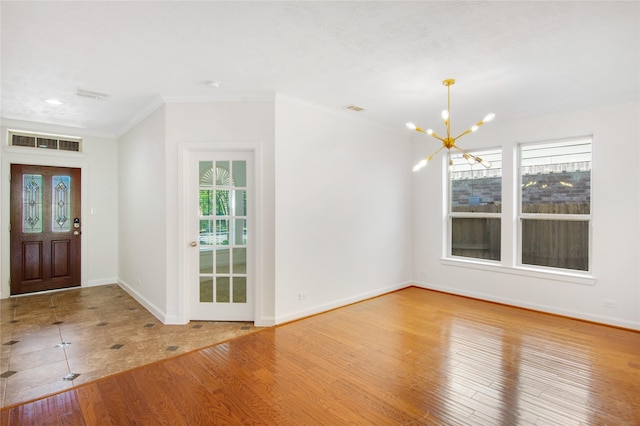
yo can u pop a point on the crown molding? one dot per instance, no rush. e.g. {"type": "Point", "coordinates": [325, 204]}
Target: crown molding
{"type": "Point", "coordinates": [50, 128]}
{"type": "Point", "coordinates": [155, 103]}
{"type": "Point", "coordinates": [237, 97]}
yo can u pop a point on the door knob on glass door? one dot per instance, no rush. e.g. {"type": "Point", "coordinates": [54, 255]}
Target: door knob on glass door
{"type": "Point", "coordinates": [193, 244]}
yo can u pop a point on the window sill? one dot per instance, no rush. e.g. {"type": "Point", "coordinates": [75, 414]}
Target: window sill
{"type": "Point", "coordinates": [576, 278]}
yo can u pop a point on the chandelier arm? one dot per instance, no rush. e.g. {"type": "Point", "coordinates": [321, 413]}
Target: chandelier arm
{"type": "Point", "coordinates": [448, 120]}
{"type": "Point", "coordinates": [463, 151]}
{"type": "Point", "coordinates": [466, 132]}
{"type": "Point", "coordinates": [437, 151]}
{"type": "Point", "coordinates": [435, 135]}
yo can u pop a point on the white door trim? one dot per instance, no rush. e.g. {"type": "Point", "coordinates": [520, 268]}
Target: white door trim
{"type": "Point", "coordinates": [185, 263]}
{"type": "Point", "coordinates": [40, 157]}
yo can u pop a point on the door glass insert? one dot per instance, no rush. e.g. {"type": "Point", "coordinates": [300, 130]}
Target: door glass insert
{"type": "Point", "coordinates": [240, 232]}
{"type": "Point", "coordinates": [240, 173]}
{"type": "Point", "coordinates": [206, 245]}
{"type": "Point", "coordinates": [222, 173]}
{"type": "Point", "coordinates": [222, 260]}
{"type": "Point", "coordinates": [206, 289]}
{"type": "Point", "coordinates": [240, 260]}
{"type": "Point", "coordinates": [31, 203]}
{"type": "Point", "coordinates": [60, 206]}
{"type": "Point", "coordinates": [240, 290]}
{"type": "Point", "coordinates": [240, 202]}
{"type": "Point", "coordinates": [223, 231]}
{"type": "Point", "coordinates": [222, 202]}
{"type": "Point", "coordinates": [223, 293]}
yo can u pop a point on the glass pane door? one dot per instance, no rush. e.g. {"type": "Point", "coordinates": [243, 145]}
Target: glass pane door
{"type": "Point", "coordinates": [223, 275]}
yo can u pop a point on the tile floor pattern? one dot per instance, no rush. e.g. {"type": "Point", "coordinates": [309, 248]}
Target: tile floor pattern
{"type": "Point", "coordinates": [52, 342]}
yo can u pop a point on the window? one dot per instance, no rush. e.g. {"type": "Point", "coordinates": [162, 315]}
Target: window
{"type": "Point", "coordinates": [555, 204]}
{"type": "Point", "coordinates": [475, 206]}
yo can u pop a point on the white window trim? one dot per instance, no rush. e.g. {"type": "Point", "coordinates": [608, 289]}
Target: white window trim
{"type": "Point", "coordinates": [449, 215]}
{"type": "Point", "coordinates": [550, 216]}
{"type": "Point", "coordinates": [511, 264]}
{"type": "Point", "coordinates": [555, 274]}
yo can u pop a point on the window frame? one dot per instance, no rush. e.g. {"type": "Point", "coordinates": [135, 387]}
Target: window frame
{"type": "Point", "coordinates": [520, 217]}
{"type": "Point", "coordinates": [451, 215]}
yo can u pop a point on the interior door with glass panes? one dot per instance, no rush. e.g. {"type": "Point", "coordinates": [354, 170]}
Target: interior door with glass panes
{"type": "Point", "coordinates": [223, 290]}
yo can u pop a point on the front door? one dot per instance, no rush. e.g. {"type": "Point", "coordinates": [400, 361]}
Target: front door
{"type": "Point", "coordinates": [45, 228]}
{"type": "Point", "coordinates": [222, 288]}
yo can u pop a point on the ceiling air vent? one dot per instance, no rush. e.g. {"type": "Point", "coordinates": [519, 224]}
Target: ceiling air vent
{"type": "Point", "coordinates": [355, 108]}
{"type": "Point", "coordinates": [92, 95]}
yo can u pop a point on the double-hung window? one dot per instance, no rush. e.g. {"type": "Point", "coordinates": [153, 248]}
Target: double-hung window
{"type": "Point", "coordinates": [554, 218]}
{"type": "Point", "coordinates": [475, 206]}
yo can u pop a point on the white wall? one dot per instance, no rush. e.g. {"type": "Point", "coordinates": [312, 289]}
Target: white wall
{"type": "Point", "coordinates": [142, 231]}
{"type": "Point", "coordinates": [212, 123]}
{"type": "Point", "coordinates": [335, 215]}
{"type": "Point", "coordinates": [99, 194]}
{"type": "Point", "coordinates": [616, 220]}
{"type": "Point", "coordinates": [343, 209]}
{"type": "Point", "coordinates": [343, 217]}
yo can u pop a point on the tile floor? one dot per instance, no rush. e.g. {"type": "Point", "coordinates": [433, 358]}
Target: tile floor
{"type": "Point", "coordinates": [54, 341]}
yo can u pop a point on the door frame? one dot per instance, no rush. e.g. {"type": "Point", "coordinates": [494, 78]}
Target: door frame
{"type": "Point", "coordinates": [39, 157]}
{"type": "Point", "coordinates": [185, 234]}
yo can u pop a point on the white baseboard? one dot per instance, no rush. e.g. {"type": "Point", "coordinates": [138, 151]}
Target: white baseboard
{"type": "Point", "coordinates": [144, 302]}
{"type": "Point", "coordinates": [265, 322]}
{"type": "Point", "coordinates": [102, 281]}
{"type": "Point", "coordinates": [292, 316]}
{"type": "Point", "coordinates": [533, 306]}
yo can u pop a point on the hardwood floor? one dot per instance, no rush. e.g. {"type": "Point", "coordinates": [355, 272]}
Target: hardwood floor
{"type": "Point", "coordinates": [412, 357]}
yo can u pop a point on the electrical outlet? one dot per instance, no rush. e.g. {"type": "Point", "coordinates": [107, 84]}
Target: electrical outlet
{"type": "Point", "coordinates": [302, 296]}
{"type": "Point", "coordinates": [609, 303]}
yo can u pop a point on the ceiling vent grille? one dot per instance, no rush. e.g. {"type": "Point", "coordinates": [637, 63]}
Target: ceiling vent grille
{"type": "Point", "coordinates": [92, 95]}
{"type": "Point", "coordinates": [355, 108]}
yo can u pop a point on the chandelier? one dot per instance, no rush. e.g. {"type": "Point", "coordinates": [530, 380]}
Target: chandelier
{"type": "Point", "coordinates": [449, 142]}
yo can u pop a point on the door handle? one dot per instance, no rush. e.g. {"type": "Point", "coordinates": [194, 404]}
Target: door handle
{"type": "Point", "coordinates": [193, 244]}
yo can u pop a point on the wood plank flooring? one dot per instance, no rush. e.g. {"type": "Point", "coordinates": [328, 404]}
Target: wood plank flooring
{"type": "Point", "coordinates": [412, 357]}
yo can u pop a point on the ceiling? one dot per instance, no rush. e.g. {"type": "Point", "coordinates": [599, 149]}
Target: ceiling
{"type": "Point", "coordinates": [515, 59]}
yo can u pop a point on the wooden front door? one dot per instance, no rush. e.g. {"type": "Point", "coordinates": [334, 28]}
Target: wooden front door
{"type": "Point", "coordinates": [45, 228]}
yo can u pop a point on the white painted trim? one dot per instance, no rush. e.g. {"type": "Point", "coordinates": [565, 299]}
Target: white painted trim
{"type": "Point", "coordinates": [147, 110]}
{"type": "Point", "coordinates": [265, 322]}
{"type": "Point", "coordinates": [249, 97]}
{"type": "Point", "coordinates": [318, 309]}
{"type": "Point", "coordinates": [533, 272]}
{"type": "Point", "coordinates": [155, 311]}
{"type": "Point", "coordinates": [158, 101]}
{"type": "Point", "coordinates": [56, 129]}
{"type": "Point", "coordinates": [533, 306]}
{"type": "Point", "coordinates": [13, 155]}
{"type": "Point", "coordinates": [102, 281]}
